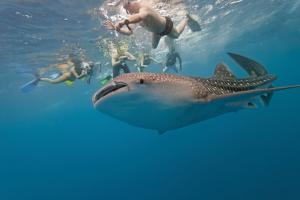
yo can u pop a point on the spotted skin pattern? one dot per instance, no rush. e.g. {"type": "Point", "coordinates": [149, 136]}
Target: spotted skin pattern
{"type": "Point", "coordinates": [202, 87]}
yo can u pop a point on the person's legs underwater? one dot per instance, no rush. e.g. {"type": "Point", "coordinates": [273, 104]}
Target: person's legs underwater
{"type": "Point", "coordinates": [116, 71]}
{"type": "Point", "coordinates": [168, 68]}
{"type": "Point", "coordinates": [60, 79]}
{"type": "Point", "coordinates": [165, 69]}
{"type": "Point", "coordinates": [188, 21]}
{"type": "Point", "coordinates": [125, 69]}
{"type": "Point", "coordinates": [155, 40]}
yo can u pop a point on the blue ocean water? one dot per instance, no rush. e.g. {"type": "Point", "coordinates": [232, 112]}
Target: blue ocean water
{"type": "Point", "coordinates": [54, 145]}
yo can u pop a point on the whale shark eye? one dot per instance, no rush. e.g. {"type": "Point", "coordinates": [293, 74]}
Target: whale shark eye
{"type": "Point", "coordinates": [142, 81]}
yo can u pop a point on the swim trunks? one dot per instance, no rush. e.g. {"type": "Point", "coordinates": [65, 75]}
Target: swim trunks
{"type": "Point", "coordinates": [168, 28]}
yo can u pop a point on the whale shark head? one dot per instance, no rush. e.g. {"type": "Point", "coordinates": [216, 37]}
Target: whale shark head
{"type": "Point", "coordinates": [146, 100]}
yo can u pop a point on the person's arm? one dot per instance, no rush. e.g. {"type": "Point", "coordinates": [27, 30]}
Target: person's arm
{"type": "Point", "coordinates": [136, 18]}
{"type": "Point", "coordinates": [132, 19]}
{"type": "Point", "coordinates": [115, 61]}
{"type": "Point", "coordinates": [117, 27]}
{"type": "Point", "coordinates": [83, 73]}
{"type": "Point", "coordinates": [125, 31]}
{"type": "Point", "coordinates": [130, 56]}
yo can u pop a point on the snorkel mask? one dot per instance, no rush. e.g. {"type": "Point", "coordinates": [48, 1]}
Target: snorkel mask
{"type": "Point", "coordinates": [88, 68]}
{"type": "Point", "coordinates": [85, 66]}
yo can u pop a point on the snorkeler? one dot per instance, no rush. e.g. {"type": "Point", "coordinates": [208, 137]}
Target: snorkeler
{"type": "Point", "coordinates": [63, 72]}
{"type": "Point", "coordinates": [171, 61]}
{"type": "Point", "coordinates": [70, 71]}
{"type": "Point", "coordinates": [150, 19]}
{"type": "Point", "coordinates": [119, 56]}
{"type": "Point", "coordinates": [144, 61]}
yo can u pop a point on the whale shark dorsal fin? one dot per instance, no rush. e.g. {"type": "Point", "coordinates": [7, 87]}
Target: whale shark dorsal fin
{"type": "Point", "coordinates": [252, 67]}
{"type": "Point", "coordinates": [222, 71]}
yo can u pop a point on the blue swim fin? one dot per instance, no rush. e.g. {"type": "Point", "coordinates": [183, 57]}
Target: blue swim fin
{"type": "Point", "coordinates": [28, 87]}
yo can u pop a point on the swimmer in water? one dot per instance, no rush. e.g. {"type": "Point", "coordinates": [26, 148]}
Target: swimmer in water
{"type": "Point", "coordinates": [171, 61]}
{"type": "Point", "coordinates": [142, 13]}
{"type": "Point", "coordinates": [144, 61]}
{"type": "Point", "coordinates": [119, 58]}
{"type": "Point", "coordinates": [73, 69]}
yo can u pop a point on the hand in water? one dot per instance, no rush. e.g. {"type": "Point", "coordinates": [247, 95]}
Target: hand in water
{"type": "Point", "coordinates": [110, 25]}
{"type": "Point", "coordinates": [119, 25]}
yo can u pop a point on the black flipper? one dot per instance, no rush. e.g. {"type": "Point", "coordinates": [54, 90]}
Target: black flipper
{"type": "Point", "coordinates": [222, 71]}
{"type": "Point", "coordinates": [193, 24]}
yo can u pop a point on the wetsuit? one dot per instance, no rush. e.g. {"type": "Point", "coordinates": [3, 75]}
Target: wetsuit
{"type": "Point", "coordinates": [117, 69]}
{"type": "Point", "coordinates": [171, 62]}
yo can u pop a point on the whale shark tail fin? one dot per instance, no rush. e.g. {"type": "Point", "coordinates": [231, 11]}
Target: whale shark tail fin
{"type": "Point", "coordinates": [252, 67]}
{"type": "Point", "coordinates": [222, 71]}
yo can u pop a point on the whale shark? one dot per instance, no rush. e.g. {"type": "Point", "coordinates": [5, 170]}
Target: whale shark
{"type": "Point", "coordinates": [165, 102]}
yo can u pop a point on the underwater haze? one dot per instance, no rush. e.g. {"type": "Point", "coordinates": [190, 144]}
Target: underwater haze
{"type": "Point", "coordinates": [55, 146]}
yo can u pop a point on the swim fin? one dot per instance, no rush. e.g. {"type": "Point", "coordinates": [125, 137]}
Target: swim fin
{"type": "Point", "coordinates": [28, 87]}
{"type": "Point", "coordinates": [106, 80]}
{"type": "Point", "coordinates": [193, 24]}
{"type": "Point", "coordinates": [69, 83]}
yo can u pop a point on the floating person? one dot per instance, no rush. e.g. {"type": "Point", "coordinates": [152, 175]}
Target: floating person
{"type": "Point", "coordinates": [119, 57]}
{"type": "Point", "coordinates": [144, 60]}
{"type": "Point", "coordinates": [62, 73]}
{"type": "Point", "coordinates": [150, 19]}
{"type": "Point", "coordinates": [171, 61]}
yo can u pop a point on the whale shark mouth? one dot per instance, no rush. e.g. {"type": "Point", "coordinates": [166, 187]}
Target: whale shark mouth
{"type": "Point", "coordinates": [108, 90]}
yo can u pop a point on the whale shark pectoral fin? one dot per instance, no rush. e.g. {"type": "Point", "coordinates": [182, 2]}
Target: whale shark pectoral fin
{"type": "Point", "coordinates": [252, 67]}
{"type": "Point", "coordinates": [222, 71]}
{"type": "Point", "coordinates": [251, 105]}
{"type": "Point", "coordinates": [242, 104]}
{"type": "Point", "coordinates": [266, 98]}
{"type": "Point", "coordinates": [245, 95]}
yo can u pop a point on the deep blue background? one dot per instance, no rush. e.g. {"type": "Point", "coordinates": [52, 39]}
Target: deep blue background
{"type": "Point", "coordinates": [54, 145]}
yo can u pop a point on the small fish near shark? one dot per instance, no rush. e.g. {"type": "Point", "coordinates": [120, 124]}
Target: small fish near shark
{"type": "Point", "coordinates": [165, 102]}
